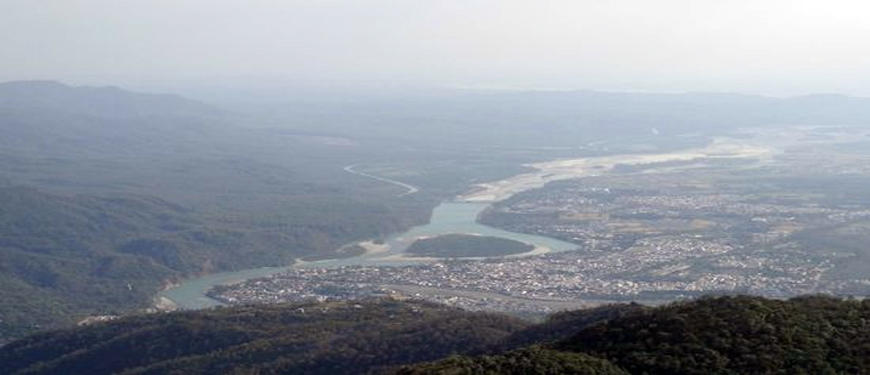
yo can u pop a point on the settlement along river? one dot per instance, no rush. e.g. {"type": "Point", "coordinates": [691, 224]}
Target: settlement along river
{"type": "Point", "coordinates": [449, 217]}
{"type": "Point", "coordinates": [461, 215]}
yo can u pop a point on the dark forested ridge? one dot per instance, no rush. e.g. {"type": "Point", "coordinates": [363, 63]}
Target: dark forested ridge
{"type": "Point", "coordinates": [564, 324]}
{"type": "Point", "coordinates": [736, 335]}
{"type": "Point", "coordinates": [721, 335]}
{"type": "Point", "coordinates": [326, 338]}
{"type": "Point", "coordinates": [714, 335]}
{"type": "Point", "coordinates": [528, 361]}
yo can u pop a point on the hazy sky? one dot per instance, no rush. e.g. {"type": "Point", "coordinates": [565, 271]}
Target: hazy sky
{"type": "Point", "coordinates": [760, 46]}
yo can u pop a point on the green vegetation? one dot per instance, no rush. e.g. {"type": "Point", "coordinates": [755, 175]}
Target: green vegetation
{"type": "Point", "coordinates": [564, 324]}
{"type": "Point", "coordinates": [465, 245]}
{"type": "Point", "coordinates": [221, 191]}
{"type": "Point", "coordinates": [736, 335]}
{"type": "Point", "coordinates": [107, 195]}
{"type": "Point", "coordinates": [723, 335]}
{"type": "Point", "coordinates": [64, 257]}
{"type": "Point", "coordinates": [61, 257]}
{"type": "Point", "coordinates": [326, 338]}
{"type": "Point", "coordinates": [534, 360]}
{"type": "Point", "coordinates": [713, 335]}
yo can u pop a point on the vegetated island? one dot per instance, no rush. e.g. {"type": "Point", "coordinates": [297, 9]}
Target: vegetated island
{"type": "Point", "coordinates": [467, 245]}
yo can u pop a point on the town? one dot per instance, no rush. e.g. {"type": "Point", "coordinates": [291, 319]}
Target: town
{"type": "Point", "coordinates": [692, 228]}
{"type": "Point", "coordinates": [652, 271]}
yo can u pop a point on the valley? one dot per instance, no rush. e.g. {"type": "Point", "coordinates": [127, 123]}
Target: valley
{"type": "Point", "coordinates": [648, 228]}
{"type": "Point", "coordinates": [223, 198]}
{"type": "Point", "coordinates": [434, 187]}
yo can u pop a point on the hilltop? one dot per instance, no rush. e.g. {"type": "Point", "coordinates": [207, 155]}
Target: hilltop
{"type": "Point", "coordinates": [107, 195]}
{"type": "Point", "coordinates": [718, 335]}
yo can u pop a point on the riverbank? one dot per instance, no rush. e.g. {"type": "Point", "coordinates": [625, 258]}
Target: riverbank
{"type": "Point", "coordinates": [448, 217]}
{"type": "Point", "coordinates": [566, 169]}
{"type": "Point", "coordinates": [460, 216]}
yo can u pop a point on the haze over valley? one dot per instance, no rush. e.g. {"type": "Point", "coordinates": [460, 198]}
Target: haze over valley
{"type": "Point", "coordinates": [451, 187]}
{"type": "Point", "coordinates": [157, 189]}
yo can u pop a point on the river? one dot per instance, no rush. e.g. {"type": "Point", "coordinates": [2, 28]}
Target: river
{"type": "Point", "coordinates": [461, 216]}
{"type": "Point", "coordinates": [448, 217]}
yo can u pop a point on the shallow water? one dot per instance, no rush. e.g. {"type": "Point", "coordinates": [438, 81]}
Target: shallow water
{"type": "Point", "coordinates": [448, 217]}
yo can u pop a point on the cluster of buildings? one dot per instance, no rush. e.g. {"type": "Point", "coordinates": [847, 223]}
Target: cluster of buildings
{"type": "Point", "coordinates": [660, 268]}
{"type": "Point", "coordinates": [597, 217]}
{"type": "Point", "coordinates": [646, 241]}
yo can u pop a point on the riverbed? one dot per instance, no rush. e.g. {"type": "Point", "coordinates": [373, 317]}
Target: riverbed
{"type": "Point", "coordinates": [460, 216]}
{"type": "Point", "coordinates": [448, 217]}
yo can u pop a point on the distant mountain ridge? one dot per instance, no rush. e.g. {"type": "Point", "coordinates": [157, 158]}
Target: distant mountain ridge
{"type": "Point", "coordinates": [45, 119]}
{"type": "Point", "coordinates": [569, 119]}
{"type": "Point", "coordinates": [110, 101]}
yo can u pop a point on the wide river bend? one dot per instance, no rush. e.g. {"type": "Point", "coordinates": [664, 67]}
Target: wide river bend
{"type": "Point", "coordinates": [448, 217]}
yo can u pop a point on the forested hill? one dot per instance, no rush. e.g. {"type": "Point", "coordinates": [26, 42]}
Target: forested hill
{"type": "Point", "coordinates": [65, 257]}
{"type": "Point", "coordinates": [62, 257]}
{"type": "Point", "coordinates": [325, 338]}
{"type": "Point", "coordinates": [736, 335]}
{"type": "Point", "coordinates": [722, 335]}
{"type": "Point", "coordinates": [106, 194]}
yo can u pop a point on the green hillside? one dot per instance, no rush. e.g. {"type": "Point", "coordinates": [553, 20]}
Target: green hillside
{"type": "Point", "coordinates": [529, 361]}
{"type": "Point", "coordinates": [721, 335]}
{"type": "Point", "coordinates": [106, 195]}
{"type": "Point", "coordinates": [736, 335]}
{"type": "Point", "coordinates": [65, 257]}
{"type": "Point", "coordinates": [328, 338]}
